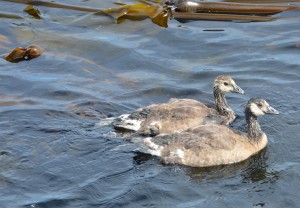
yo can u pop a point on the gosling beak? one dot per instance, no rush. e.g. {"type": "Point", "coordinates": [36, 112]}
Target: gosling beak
{"type": "Point", "coordinates": [237, 89]}
{"type": "Point", "coordinates": [272, 110]}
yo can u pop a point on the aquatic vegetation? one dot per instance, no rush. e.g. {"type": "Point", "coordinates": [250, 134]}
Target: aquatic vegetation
{"type": "Point", "coordinates": [227, 8]}
{"type": "Point", "coordinates": [158, 15]}
{"type": "Point", "coordinates": [24, 54]}
{"type": "Point", "coordinates": [161, 11]}
{"type": "Point", "coordinates": [33, 11]}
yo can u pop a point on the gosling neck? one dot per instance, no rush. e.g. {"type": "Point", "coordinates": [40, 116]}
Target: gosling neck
{"type": "Point", "coordinates": [221, 104]}
{"type": "Point", "coordinates": [254, 130]}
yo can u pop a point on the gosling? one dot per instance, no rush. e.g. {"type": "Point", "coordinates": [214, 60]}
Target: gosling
{"type": "Point", "coordinates": [212, 145]}
{"type": "Point", "coordinates": [178, 115]}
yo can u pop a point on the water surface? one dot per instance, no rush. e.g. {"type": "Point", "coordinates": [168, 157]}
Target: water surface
{"type": "Point", "coordinates": [53, 155]}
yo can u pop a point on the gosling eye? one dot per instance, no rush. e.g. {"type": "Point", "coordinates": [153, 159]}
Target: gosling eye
{"type": "Point", "coordinates": [226, 83]}
{"type": "Point", "coordinates": [259, 105]}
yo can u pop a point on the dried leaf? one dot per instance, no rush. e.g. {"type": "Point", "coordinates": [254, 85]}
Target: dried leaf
{"type": "Point", "coordinates": [33, 11]}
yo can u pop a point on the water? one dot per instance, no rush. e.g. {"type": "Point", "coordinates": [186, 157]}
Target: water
{"type": "Point", "coordinates": [53, 155]}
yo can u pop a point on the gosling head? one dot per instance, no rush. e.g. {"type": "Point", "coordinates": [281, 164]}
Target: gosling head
{"type": "Point", "coordinates": [259, 107]}
{"type": "Point", "coordinates": [226, 84]}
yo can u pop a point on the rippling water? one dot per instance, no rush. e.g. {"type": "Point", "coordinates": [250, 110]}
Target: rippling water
{"type": "Point", "coordinates": [53, 155]}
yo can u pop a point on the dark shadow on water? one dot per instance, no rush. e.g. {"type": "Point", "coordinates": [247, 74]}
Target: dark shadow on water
{"type": "Point", "coordinates": [95, 109]}
{"type": "Point", "coordinates": [140, 158]}
{"type": "Point", "coordinates": [50, 203]}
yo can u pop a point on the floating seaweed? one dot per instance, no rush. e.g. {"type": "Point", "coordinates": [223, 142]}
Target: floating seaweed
{"type": "Point", "coordinates": [227, 8]}
{"type": "Point", "coordinates": [33, 11]}
{"type": "Point", "coordinates": [24, 54]}
{"type": "Point", "coordinates": [160, 11]}
{"type": "Point", "coordinates": [137, 12]}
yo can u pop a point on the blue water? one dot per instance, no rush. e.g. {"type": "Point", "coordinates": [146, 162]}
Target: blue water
{"type": "Point", "coordinates": [53, 155]}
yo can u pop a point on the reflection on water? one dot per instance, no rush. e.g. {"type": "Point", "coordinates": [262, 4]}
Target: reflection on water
{"type": "Point", "coordinates": [258, 171]}
{"type": "Point", "coordinates": [53, 155]}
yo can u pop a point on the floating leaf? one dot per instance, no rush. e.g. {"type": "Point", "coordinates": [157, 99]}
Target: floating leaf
{"type": "Point", "coordinates": [138, 12]}
{"type": "Point", "coordinates": [21, 54]}
{"type": "Point", "coordinates": [33, 11]}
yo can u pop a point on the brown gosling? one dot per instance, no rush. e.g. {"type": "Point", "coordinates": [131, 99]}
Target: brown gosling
{"type": "Point", "coordinates": [178, 115]}
{"type": "Point", "coordinates": [212, 145]}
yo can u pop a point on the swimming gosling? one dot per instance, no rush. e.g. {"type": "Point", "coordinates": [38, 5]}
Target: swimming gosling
{"type": "Point", "coordinates": [212, 145]}
{"type": "Point", "coordinates": [178, 115]}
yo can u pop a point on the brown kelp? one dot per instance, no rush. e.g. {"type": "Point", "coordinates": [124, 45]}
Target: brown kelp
{"type": "Point", "coordinates": [24, 54]}
{"type": "Point", "coordinates": [33, 11]}
{"type": "Point", "coordinates": [136, 12]}
{"type": "Point", "coordinates": [227, 8]}
{"type": "Point", "coordinates": [161, 11]}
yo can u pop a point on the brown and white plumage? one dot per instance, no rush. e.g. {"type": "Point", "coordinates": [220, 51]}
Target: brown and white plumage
{"type": "Point", "coordinates": [211, 145]}
{"type": "Point", "coordinates": [178, 115]}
